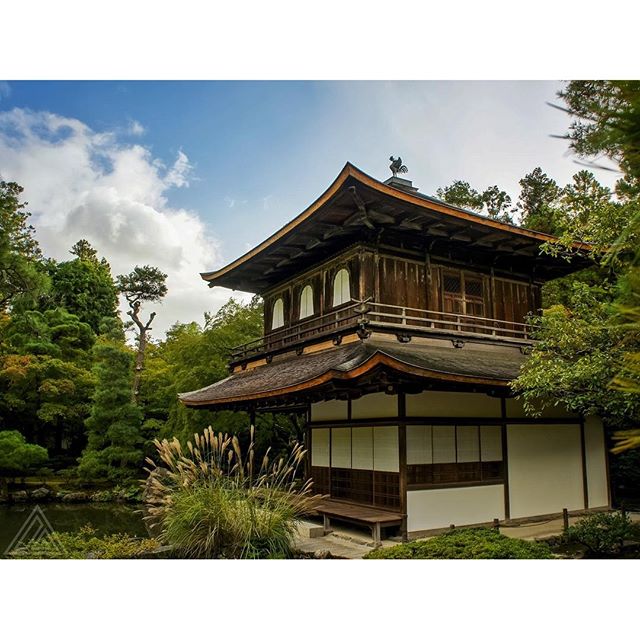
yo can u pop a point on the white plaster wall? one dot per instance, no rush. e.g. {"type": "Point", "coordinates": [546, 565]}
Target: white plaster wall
{"type": "Point", "coordinates": [320, 447]}
{"type": "Point", "coordinates": [329, 410]}
{"type": "Point", "coordinates": [450, 404]}
{"type": "Point", "coordinates": [375, 405]}
{"type": "Point", "coordinates": [596, 462]}
{"type": "Point", "coordinates": [545, 469]}
{"type": "Point", "coordinates": [385, 449]}
{"type": "Point", "coordinates": [515, 409]}
{"type": "Point", "coordinates": [438, 508]}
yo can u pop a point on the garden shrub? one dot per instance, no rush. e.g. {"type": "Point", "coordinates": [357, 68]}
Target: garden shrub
{"type": "Point", "coordinates": [603, 533]}
{"type": "Point", "coordinates": [465, 544]}
{"type": "Point", "coordinates": [210, 502]}
{"type": "Point", "coordinates": [86, 544]}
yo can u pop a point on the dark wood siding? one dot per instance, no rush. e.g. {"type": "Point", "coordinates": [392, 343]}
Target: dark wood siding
{"type": "Point", "coordinates": [514, 300]}
{"type": "Point", "coordinates": [411, 283]}
{"type": "Point", "coordinates": [403, 283]}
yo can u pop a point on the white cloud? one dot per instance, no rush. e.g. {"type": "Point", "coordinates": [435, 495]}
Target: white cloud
{"type": "Point", "coordinates": [136, 129]}
{"type": "Point", "coordinates": [83, 184]}
{"type": "Point", "coordinates": [5, 89]}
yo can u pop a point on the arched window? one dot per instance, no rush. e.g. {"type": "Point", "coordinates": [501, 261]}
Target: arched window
{"type": "Point", "coordinates": [277, 320]}
{"type": "Point", "coordinates": [306, 302]}
{"type": "Point", "coordinates": [341, 289]}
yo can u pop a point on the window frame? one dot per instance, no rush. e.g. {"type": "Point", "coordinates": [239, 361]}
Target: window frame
{"type": "Point", "coordinates": [464, 299]}
{"type": "Point", "coordinates": [280, 300]}
{"type": "Point", "coordinates": [335, 305]}
{"type": "Point", "coordinates": [300, 298]}
{"type": "Point", "coordinates": [488, 472]}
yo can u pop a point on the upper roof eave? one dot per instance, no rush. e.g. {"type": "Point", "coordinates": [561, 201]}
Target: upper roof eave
{"type": "Point", "coordinates": [417, 199]}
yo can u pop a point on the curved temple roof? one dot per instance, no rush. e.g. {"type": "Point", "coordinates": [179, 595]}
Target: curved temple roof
{"type": "Point", "coordinates": [295, 375]}
{"type": "Point", "coordinates": [340, 210]}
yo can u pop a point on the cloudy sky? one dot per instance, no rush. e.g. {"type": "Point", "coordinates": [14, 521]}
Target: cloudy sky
{"type": "Point", "coordinates": [186, 176]}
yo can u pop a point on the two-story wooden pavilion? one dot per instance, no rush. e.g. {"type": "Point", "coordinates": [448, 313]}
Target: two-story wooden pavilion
{"type": "Point", "coordinates": [396, 322]}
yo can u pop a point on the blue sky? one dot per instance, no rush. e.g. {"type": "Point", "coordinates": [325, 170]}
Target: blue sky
{"type": "Point", "coordinates": [189, 175]}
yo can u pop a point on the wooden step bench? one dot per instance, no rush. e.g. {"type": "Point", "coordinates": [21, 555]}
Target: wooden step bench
{"type": "Point", "coordinates": [376, 519]}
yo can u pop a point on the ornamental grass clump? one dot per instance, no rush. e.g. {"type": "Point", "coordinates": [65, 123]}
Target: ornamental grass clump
{"type": "Point", "coordinates": [210, 501]}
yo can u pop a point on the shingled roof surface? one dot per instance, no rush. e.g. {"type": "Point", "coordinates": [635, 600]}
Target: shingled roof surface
{"type": "Point", "coordinates": [291, 374]}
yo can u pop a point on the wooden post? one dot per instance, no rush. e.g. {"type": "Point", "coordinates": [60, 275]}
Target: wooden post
{"type": "Point", "coordinates": [326, 524]}
{"type": "Point", "coordinates": [583, 455]}
{"type": "Point", "coordinates": [402, 460]}
{"type": "Point", "coordinates": [565, 519]}
{"type": "Point", "coordinates": [377, 537]}
{"type": "Point", "coordinates": [505, 458]}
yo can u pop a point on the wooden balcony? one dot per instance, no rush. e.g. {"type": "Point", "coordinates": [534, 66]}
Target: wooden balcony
{"type": "Point", "coordinates": [365, 315]}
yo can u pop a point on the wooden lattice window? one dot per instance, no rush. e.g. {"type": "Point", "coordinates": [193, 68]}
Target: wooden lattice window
{"type": "Point", "coordinates": [462, 293]}
{"type": "Point", "coordinates": [450, 455]}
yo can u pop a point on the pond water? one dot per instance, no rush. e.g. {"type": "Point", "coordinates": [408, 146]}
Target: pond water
{"type": "Point", "coordinates": [105, 518]}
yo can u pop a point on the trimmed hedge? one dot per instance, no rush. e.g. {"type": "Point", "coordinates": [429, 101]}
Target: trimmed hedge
{"type": "Point", "coordinates": [603, 534]}
{"type": "Point", "coordinates": [465, 544]}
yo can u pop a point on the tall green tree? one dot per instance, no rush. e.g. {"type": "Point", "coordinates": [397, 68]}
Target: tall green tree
{"type": "Point", "coordinates": [193, 356]}
{"type": "Point", "coordinates": [143, 284]}
{"type": "Point", "coordinates": [461, 194]}
{"type": "Point", "coordinates": [21, 272]}
{"type": "Point", "coordinates": [587, 357]}
{"type": "Point", "coordinates": [84, 286]}
{"type": "Point", "coordinates": [114, 445]}
{"type": "Point", "coordinates": [606, 122]}
{"type": "Point", "coordinates": [492, 202]}
{"type": "Point", "coordinates": [45, 378]}
{"type": "Point", "coordinates": [537, 201]}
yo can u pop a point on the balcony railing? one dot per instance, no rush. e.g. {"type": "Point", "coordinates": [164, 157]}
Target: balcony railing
{"type": "Point", "coordinates": [391, 315]}
{"type": "Point", "coordinates": [323, 324]}
{"type": "Point", "coordinates": [371, 315]}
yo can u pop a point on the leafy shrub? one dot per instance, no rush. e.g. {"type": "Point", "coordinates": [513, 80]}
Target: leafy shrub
{"type": "Point", "coordinates": [210, 502]}
{"type": "Point", "coordinates": [465, 544]}
{"type": "Point", "coordinates": [85, 544]}
{"type": "Point", "coordinates": [602, 533]}
{"type": "Point", "coordinates": [17, 456]}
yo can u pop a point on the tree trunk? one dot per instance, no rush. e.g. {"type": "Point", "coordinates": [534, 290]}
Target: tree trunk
{"type": "Point", "coordinates": [137, 376]}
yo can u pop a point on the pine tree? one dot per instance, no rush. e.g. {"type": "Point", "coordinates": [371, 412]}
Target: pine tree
{"type": "Point", "coordinates": [114, 447]}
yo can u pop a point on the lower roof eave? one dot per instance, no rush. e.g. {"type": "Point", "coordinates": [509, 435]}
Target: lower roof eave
{"type": "Point", "coordinates": [356, 365]}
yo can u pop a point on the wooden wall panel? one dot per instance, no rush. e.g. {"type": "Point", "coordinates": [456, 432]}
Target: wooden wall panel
{"type": "Point", "coordinates": [367, 287]}
{"type": "Point", "coordinates": [434, 288]}
{"type": "Point", "coordinates": [403, 283]}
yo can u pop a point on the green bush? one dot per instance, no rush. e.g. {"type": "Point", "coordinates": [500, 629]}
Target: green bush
{"type": "Point", "coordinates": [602, 533]}
{"type": "Point", "coordinates": [465, 544]}
{"type": "Point", "coordinates": [17, 456]}
{"type": "Point", "coordinates": [210, 501]}
{"type": "Point", "coordinates": [85, 544]}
